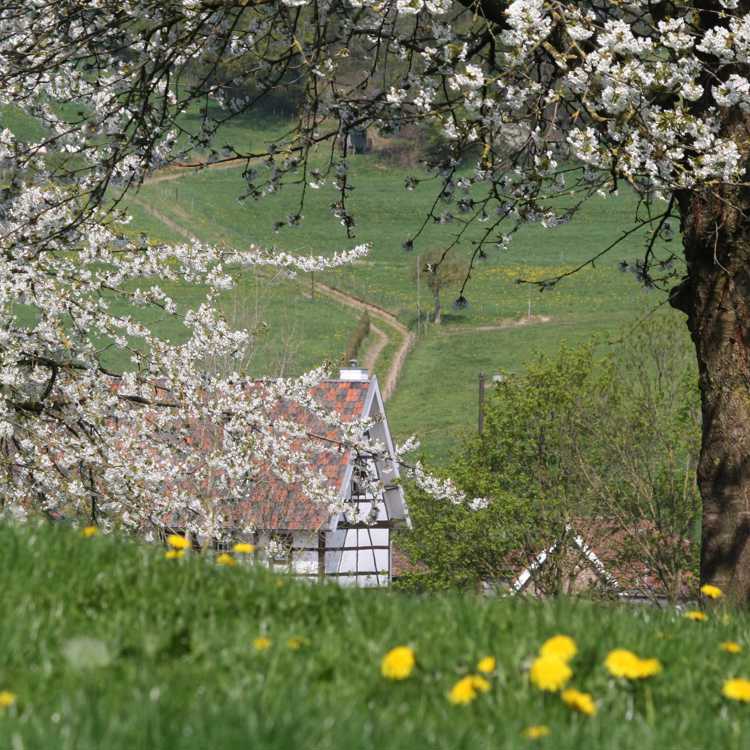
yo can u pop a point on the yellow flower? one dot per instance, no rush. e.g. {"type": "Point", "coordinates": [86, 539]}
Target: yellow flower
{"type": "Point", "coordinates": [623, 663]}
{"type": "Point", "coordinates": [398, 663]}
{"type": "Point", "coordinates": [7, 698]}
{"type": "Point", "coordinates": [175, 541]}
{"type": "Point", "coordinates": [487, 665]}
{"type": "Point", "coordinates": [737, 689]}
{"type": "Point", "coordinates": [561, 646]}
{"type": "Point", "coordinates": [712, 592]}
{"type": "Point", "coordinates": [261, 643]}
{"type": "Point", "coordinates": [696, 615]}
{"type": "Point", "coordinates": [648, 668]}
{"type": "Point", "coordinates": [731, 647]}
{"type": "Point", "coordinates": [174, 554]}
{"type": "Point", "coordinates": [242, 548]}
{"type": "Point", "coordinates": [579, 701]}
{"type": "Point", "coordinates": [225, 559]}
{"type": "Point", "coordinates": [535, 732]}
{"type": "Point", "coordinates": [89, 531]}
{"type": "Point", "coordinates": [467, 689]}
{"type": "Point", "coordinates": [550, 673]}
{"type": "Point", "coordinates": [295, 643]}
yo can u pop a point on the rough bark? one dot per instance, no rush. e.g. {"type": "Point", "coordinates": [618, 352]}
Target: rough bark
{"type": "Point", "coordinates": [716, 298]}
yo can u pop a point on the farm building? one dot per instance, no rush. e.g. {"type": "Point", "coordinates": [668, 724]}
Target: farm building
{"type": "Point", "coordinates": [635, 562]}
{"type": "Point", "coordinates": [296, 535]}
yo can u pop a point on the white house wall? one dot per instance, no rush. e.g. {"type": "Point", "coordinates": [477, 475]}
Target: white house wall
{"type": "Point", "coordinates": [304, 554]}
{"type": "Point", "coordinates": [358, 564]}
{"type": "Point", "coordinates": [348, 556]}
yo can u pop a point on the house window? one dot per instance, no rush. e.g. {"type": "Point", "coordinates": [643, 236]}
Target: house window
{"type": "Point", "coordinates": [223, 545]}
{"type": "Point", "coordinates": [279, 550]}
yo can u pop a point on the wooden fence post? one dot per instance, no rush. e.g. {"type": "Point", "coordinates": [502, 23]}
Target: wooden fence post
{"type": "Point", "coordinates": [481, 402]}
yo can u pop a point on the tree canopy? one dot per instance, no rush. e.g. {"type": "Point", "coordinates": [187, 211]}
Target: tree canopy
{"type": "Point", "coordinates": [550, 102]}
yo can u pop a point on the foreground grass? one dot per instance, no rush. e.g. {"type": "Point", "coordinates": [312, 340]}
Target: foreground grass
{"type": "Point", "coordinates": [108, 645]}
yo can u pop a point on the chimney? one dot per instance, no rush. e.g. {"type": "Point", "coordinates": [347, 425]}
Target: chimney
{"type": "Point", "coordinates": [353, 372]}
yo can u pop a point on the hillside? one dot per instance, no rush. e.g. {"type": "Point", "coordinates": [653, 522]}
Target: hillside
{"type": "Point", "coordinates": [108, 645]}
{"type": "Point", "coordinates": [437, 392]}
{"type": "Point", "coordinates": [298, 326]}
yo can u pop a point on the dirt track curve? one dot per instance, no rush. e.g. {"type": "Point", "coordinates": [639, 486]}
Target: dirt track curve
{"type": "Point", "coordinates": [391, 323]}
{"type": "Point", "coordinates": [382, 340]}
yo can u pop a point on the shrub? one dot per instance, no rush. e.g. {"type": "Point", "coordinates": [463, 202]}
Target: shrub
{"type": "Point", "coordinates": [583, 439]}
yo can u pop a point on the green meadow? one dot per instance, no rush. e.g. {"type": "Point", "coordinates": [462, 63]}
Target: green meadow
{"type": "Point", "coordinates": [436, 396]}
{"type": "Point", "coordinates": [110, 645]}
{"type": "Point", "coordinates": [298, 329]}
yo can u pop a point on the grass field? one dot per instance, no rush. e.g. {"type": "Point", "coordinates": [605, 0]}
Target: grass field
{"type": "Point", "coordinates": [207, 202]}
{"type": "Point", "coordinates": [437, 395]}
{"type": "Point", "coordinates": [105, 644]}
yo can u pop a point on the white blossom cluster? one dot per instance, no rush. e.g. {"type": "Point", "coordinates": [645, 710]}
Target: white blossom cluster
{"type": "Point", "coordinates": [550, 100]}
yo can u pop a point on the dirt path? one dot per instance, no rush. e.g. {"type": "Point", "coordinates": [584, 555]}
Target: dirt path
{"type": "Point", "coordinates": [164, 219]}
{"type": "Point", "coordinates": [392, 324]}
{"type": "Point", "coordinates": [382, 340]}
{"type": "Point", "coordinates": [375, 349]}
{"type": "Point", "coordinates": [177, 173]}
{"type": "Point", "coordinates": [502, 325]}
{"type": "Point", "coordinates": [407, 337]}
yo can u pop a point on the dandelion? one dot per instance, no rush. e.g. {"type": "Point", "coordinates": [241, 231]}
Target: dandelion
{"type": "Point", "coordinates": [712, 592]}
{"type": "Point", "coordinates": [487, 665]}
{"type": "Point", "coordinates": [467, 689]}
{"type": "Point", "coordinates": [225, 559]}
{"type": "Point", "coordinates": [262, 643]}
{"type": "Point", "coordinates": [295, 643]}
{"type": "Point", "coordinates": [624, 663]}
{"type": "Point", "coordinates": [174, 554]}
{"type": "Point", "coordinates": [578, 701]}
{"type": "Point", "coordinates": [561, 646]}
{"type": "Point", "coordinates": [243, 548]}
{"type": "Point", "coordinates": [737, 689]}
{"type": "Point", "coordinates": [550, 673]}
{"type": "Point", "coordinates": [89, 531]}
{"type": "Point", "coordinates": [7, 699]}
{"type": "Point", "coordinates": [536, 732]}
{"type": "Point", "coordinates": [731, 647]}
{"type": "Point", "coordinates": [398, 663]}
{"type": "Point", "coordinates": [647, 668]}
{"type": "Point", "coordinates": [696, 615]}
{"type": "Point", "coordinates": [175, 541]}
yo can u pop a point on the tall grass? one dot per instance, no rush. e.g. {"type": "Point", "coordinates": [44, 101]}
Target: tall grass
{"type": "Point", "coordinates": [108, 645]}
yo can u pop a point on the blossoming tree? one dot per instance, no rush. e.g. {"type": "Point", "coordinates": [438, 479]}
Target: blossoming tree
{"type": "Point", "coordinates": [554, 102]}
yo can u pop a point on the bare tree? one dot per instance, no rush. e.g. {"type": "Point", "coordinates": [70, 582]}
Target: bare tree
{"type": "Point", "coordinates": [439, 274]}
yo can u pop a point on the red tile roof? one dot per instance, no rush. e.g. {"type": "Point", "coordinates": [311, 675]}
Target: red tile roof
{"type": "Point", "coordinates": [274, 504]}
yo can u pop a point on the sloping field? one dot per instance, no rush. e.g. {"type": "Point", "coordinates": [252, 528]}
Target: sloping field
{"type": "Point", "coordinates": [437, 391]}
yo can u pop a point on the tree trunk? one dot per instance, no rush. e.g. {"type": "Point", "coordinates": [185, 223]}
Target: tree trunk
{"type": "Point", "coordinates": [716, 297]}
{"type": "Point", "coordinates": [437, 313]}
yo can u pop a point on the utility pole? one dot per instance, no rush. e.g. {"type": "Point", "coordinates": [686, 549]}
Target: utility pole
{"type": "Point", "coordinates": [481, 402]}
{"type": "Point", "coordinates": [419, 307]}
